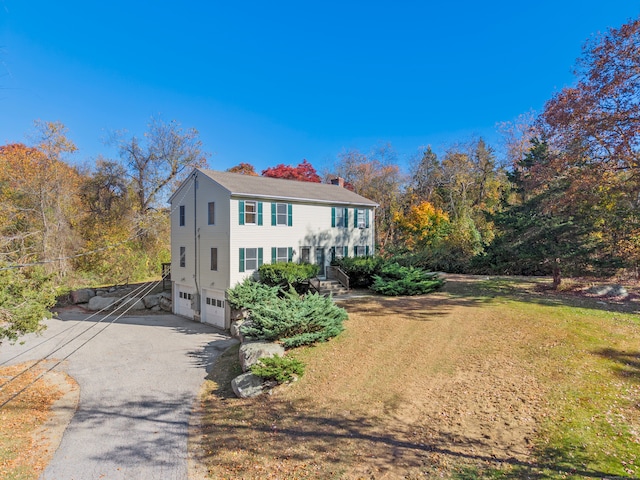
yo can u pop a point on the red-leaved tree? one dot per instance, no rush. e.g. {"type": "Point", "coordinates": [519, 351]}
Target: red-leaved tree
{"type": "Point", "coordinates": [304, 172]}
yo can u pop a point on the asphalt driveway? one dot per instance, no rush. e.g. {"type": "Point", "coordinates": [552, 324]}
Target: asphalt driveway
{"type": "Point", "coordinates": [139, 379]}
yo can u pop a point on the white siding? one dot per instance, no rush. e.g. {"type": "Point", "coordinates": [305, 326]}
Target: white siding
{"type": "Point", "coordinates": [183, 236]}
{"type": "Point", "coordinates": [209, 236]}
{"type": "Point", "coordinates": [311, 227]}
{"type": "Point", "coordinates": [201, 239]}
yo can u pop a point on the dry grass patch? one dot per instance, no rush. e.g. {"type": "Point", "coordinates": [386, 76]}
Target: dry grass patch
{"type": "Point", "coordinates": [25, 449]}
{"type": "Point", "coordinates": [465, 383]}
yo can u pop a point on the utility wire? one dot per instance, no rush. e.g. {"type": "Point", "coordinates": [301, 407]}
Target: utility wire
{"type": "Point", "coordinates": [129, 299]}
{"type": "Point", "coordinates": [133, 292]}
{"type": "Point", "coordinates": [19, 392]}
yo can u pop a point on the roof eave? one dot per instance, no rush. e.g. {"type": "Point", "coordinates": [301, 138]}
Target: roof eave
{"type": "Point", "coordinates": [302, 199]}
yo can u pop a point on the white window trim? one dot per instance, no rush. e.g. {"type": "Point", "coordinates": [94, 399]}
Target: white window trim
{"type": "Point", "coordinates": [247, 259]}
{"type": "Point", "coordinates": [362, 219]}
{"type": "Point", "coordinates": [285, 215]}
{"type": "Point", "coordinates": [183, 257]}
{"type": "Point", "coordinates": [247, 213]}
{"type": "Point", "coordinates": [282, 259]}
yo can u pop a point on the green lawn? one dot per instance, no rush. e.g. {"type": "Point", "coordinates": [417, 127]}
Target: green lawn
{"type": "Point", "coordinates": [491, 378]}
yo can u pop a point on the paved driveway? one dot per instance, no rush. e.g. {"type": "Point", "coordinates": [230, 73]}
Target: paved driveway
{"type": "Point", "coordinates": [138, 379]}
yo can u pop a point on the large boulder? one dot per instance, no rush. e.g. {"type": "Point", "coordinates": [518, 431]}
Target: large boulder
{"type": "Point", "coordinates": [247, 385]}
{"type": "Point", "coordinates": [135, 304]}
{"type": "Point", "coordinates": [98, 303]}
{"type": "Point", "coordinates": [614, 290]}
{"type": "Point", "coordinates": [151, 301]}
{"type": "Point", "coordinates": [251, 352]}
{"type": "Point", "coordinates": [165, 303]}
{"type": "Point", "coordinates": [82, 296]}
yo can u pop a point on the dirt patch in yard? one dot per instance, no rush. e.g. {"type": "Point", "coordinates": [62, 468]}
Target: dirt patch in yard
{"type": "Point", "coordinates": [416, 387]}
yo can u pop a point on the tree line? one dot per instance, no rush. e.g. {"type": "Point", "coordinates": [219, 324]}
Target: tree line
{"type": "Point", "coordinates": [564, 198]}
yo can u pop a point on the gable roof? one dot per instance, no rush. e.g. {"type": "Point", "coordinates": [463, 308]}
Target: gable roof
{"type": "Point", "coordinates": [278, 188]}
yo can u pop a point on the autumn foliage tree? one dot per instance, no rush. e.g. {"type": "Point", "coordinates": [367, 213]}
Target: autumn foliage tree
{"type": "Point", "coordinates": [244, 168]}
{"type": "Point", "coordinates": [38, 200]}
{"type": "Point", "coordinates": [593, 129]}
{"type": "Point", "coordinates": [535, 235]}
{"type": "Point", "coordinates": [467, 184]}
{"type": "Point", "coordinates": [304, 172]}
{"type": "Point", "coordinates": [422, 227]}
{"type": "Point", "coordinates": [39, 213]}
{"type": "Point", "coordinates": [375, 176]}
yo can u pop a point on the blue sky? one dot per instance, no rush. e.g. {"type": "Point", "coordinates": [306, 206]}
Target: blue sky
{"type": "Point", "coordinates": [276, 82]}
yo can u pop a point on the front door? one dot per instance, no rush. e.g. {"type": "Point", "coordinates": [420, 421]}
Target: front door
{"type": "Point", "coordinates": [320, 260]}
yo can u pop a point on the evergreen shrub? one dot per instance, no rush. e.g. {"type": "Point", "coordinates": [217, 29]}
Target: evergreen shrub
{"type": "Point", "coordinates": [284, 274]}
{"type": "Point", "coordinates": [395, 279]}
{"type": "Point", "coordinates": [280, 369]}
{"type": "Point", "coordinates": [250, 294]}
{"type": "Point", "coordinates": [360, 270]}
{"type": "Point", "coordinates": [295, 320]}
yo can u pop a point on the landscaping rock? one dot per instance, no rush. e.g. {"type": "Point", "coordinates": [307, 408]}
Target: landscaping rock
{"type": "Point", "coordinates": [608, 291]}
{"type": "Point", "coordinates": [151, 301]}
{"type": "Point", "coordinates": [99, 303]}
{"type": "Point", "coordinates": [234, 329]}
{"type": "Point", "coordinates": [251, 352]}
{"type": "Point", "coordinates": [165, 304]}
{"type": "Point", "coordinates": [239, 314]}
{"type": "Point", "coordinates": [247, 385]}
{"type": "Point", "coordinates": [136, 304]}
{"type": "Point", "coordinates": [82, 296]}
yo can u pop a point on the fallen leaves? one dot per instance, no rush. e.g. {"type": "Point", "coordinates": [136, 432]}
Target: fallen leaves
{"type": "Point", "coordinates": [23, 449]}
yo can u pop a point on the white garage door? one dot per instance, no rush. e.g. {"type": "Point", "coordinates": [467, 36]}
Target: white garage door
{"type": "Point", "coordinates": [184, 295]}
{"type": "Point", "coordinates": [214, 308]}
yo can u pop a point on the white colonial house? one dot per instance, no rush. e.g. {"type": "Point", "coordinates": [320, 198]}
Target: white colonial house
{"type": "Point", "coordinates": [225, 225]}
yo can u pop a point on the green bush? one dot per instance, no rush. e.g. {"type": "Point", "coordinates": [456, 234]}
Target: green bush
{"type": "Point", "coordinates": [250, 294]}
{"type": "Point", "coordinates": [360, 269]}
{"type": "Point", "coordinates": [280, 369]}
{"type": "Point", "coordinates": [25, 298]}
{"type": "Point", "coordinates": [396, 279]}
{"type": "Point", "coordinates": [295, 320]}
{"type": "Point", "coordinates": [285, 274]}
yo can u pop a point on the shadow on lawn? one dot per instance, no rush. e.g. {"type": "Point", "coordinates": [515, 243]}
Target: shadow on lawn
{"type": "Point", "coordinates": [476, 291]}
{"type": "Point", "coordinates": [532, 290]}
{"type": "Point", "coordinates": [626, 364]}
{"type": "Point", "coordinates": [420, 307]}
{"type": "Point", "coordinates": [299, 441]}
{"type": "Point", "coordinates": [282, 435]}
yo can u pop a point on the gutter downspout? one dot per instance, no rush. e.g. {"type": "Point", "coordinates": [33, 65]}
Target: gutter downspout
{"type": "Point", "coordinates": [373, 228]}
{"type": "Point", "coordinates": [196, 271]}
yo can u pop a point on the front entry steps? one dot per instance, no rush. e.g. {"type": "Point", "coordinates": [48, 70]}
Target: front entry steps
{"type": "Point", "coordinates": [332, 287]}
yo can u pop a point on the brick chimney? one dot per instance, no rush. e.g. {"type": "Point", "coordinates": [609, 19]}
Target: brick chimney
{"type": "Point", "coordinates": [339, 181]}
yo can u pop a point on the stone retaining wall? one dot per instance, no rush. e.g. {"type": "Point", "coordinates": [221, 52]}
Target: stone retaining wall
{"type": "Point", "coordinates": [95, 299]}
